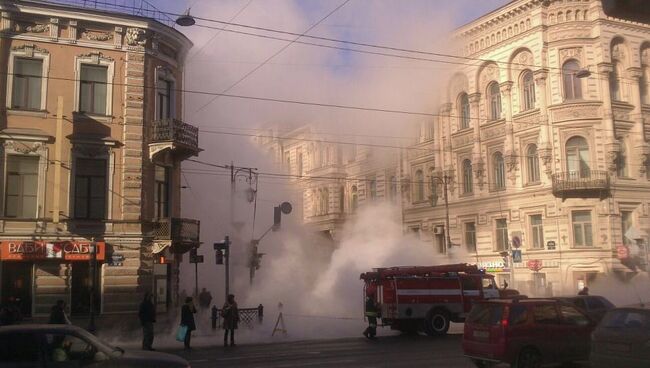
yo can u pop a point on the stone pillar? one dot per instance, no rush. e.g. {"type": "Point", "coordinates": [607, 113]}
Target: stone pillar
{"type": "Point", "coordinates": [510, 156]}
{"type": "Point", "coordinates": [544, 146]}
{"type": "Point", "coordinates": [447, 157]}
{"type": "Point", "coordinates": [640, 147]}
{"type": "Point", "coordinates": [477, 159]}
{"type": "Point", "coordinates": [612, 146]}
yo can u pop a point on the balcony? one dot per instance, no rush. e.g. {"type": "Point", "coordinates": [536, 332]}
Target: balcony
{"type": "Point", "coordinates": [174, 136]}
{"type": "Point", "coordinates": [181, 232]}
{"type": "Point", "coordinates": [581, 184]}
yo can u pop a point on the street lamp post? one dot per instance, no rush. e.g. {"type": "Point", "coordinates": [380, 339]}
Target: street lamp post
{"type": "Point", "coordinates": [93, 277]}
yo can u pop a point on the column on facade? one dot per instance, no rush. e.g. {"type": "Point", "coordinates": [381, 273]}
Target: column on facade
{"type": "Point", "coordinates": [446, 159]}
{"type": "Point", "coordinates": [509, 145]}
{"type": "Point", "coordinates": [477, 159]}
{"type": "Point", "coordinates": [544, 146]}
{"type": "Point", "coordinates": [612, 146]}
{"type": "Point", "coordinates": [639, 144]}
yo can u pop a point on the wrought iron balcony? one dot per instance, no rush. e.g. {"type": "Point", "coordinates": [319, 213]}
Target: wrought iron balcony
{"type": "Point", "coordinates": [180, 231]}
{"type": "Point", "coordinates": [581, 184]}
{"type": "Point", "coordinates": [173, 134]}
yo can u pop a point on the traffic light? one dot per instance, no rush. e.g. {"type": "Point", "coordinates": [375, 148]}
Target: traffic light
{"type": "Point", "coordinates": [193, 254]}
{"type": "Point", "coordinates": [255, 258]}
{"type": "Point", "coordinates": [222, 250]}
{"type": "Point", "coordinates": [219, 257]}
{"type": "Point", "coordinates": [284, 207]}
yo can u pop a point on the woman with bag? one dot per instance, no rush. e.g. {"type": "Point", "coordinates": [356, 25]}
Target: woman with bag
{"type": "Point", "coordinates": [230, 314]}
{"type": "Point", "coordinates": [187, 321]}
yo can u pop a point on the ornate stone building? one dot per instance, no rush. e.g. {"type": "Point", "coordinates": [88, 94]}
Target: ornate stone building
{"type": "Point", "coordinates": [91, 156]}
{"type": "Point", "coordinates": [543, 142]}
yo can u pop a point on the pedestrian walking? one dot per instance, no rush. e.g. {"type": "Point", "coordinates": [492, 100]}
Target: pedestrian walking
{"type": "Point", "coordinates": [205, 299]}
{"type": "Point", "coordinates": [57, 314]}
{"type": "Point", "coordinates": [187, 319]}
{"type": "Point", "coordinates": [230, 314]}
{"type": "Point", "coordinates": [371, 312]}
{"type": "Point", "coordinates": [147, 315]}
{"type": "Point", "coordinates": [584, 291]}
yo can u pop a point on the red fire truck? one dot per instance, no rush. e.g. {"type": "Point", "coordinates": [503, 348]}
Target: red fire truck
{"type": "Point", "coordinates": [427, 298]}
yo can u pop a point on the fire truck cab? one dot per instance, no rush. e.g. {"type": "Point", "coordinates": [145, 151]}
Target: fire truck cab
{"type": "Point", "coordinates": [428, 298]}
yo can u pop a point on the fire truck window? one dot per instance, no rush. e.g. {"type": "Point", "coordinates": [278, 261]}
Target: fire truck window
{"type": "Point", "coordinates": [546, 314]}
{"type": "Point", "coordinates": [488, 283]}
{"type": "Point", "coordinates": [469, 283]}
{"type": "Point", "coordinates": [518, 315]}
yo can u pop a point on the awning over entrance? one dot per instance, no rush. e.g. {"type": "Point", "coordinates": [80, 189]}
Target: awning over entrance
{"type": "Point", "coordinates": [57, 250]}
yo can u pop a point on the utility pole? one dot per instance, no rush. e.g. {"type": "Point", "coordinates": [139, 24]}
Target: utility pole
{"type": "Point", "coordinates": [223, 254]}
{"type": "Point", "coordinates": [93, 276]}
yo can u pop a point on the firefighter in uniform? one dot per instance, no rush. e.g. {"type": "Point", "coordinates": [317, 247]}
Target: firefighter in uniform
{"type": "Point", "coordinates": [371, 312]}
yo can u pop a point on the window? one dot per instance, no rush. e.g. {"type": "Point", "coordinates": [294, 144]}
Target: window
{"type": "Point", "coordinates": [299, 164]}
{"type": "Point", "coordinates": [315, 202]}
{"type": "Point", "coordinates": [373, 189]}
{"type": "Point", "coordinates": [614, 82]}
{"type": "Point", "coordinates": [572, 316]}
{"type": "Point", "coordinates": [494, 101]}
{"type": "Point", "coordinates": [577, 157]}
{"type": "Point", "coordinates": [161, 192]}
{"type": "Point", "coordinates": [27, 84]}
{"type": "Point", "coordinates": [537, 231]}
{"type": "Point", "coordinates": [325, 201]}
{"type": "Point", "coordinates": [69, 350]}
{"type": "Point", "coordinates": [90, 189]}
{"type": "Point", "coordinates": [21, 190]}
{"type": "Point", "coordinates": [393, 188]}
{"type": "Point", "coordinates": [354, 200]}
{"type": "Point", "coordinates": [518, 315]}
{"type": "Point", "coordinates": [532, 164]}
{"type": "Point", "coordinates": [419, 186]}
{"type": "Point", "coordinates": [546, 314]}
{"type": "Point", "coordinates": [470, 236]}
{"type": "Point", "coordinates": [342, 200]}
{"type": "Point", "coordinates": [463, 111]}
{"type": "Point", "coordinates": [621, 163]}
{"type": "Point", "coordinates": [467, 177]}
{"type": "Point", "coordinates": [571, 83]}
{"type": "Point", "coordinates": [164, 98]}
{"type": "Point", "coordinates": [499, 171]}
{"type": "Point", "coordinates": [582, 232]}
{"type": "Point", "coordinates": [644, 84]}
{"type": "Point", "coordinates": [501, 234]}
{"type": "Point", "coordinates": [626, 224]}
{"type": "Point", "coordinates": [528, 91]}
{"type": "Point", "coordinates": [92, 91]}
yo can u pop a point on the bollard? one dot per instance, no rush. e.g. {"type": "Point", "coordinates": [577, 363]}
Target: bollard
{"type": "Point", "coordinates": [260, 313]}
{"type": "Point", "coordinates": [214, 317]}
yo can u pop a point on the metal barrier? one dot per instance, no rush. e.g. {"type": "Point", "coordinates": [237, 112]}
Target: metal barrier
{"type": "Point", "coordinates": [247, 316]}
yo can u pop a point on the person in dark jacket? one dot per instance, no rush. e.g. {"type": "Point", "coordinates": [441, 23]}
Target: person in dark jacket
{"type": "Point", "coordinates": [187, 319]}
{"type": "Point", "coordinates": [371, 312]}
{"type": "Point", "coordinates": [147, 315]}
{"type": "Point", "coordinates": [230, 314]}
{"type": "Point", "coordinates": [57, 314]}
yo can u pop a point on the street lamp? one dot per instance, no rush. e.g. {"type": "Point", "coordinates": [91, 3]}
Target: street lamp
{"type": "Point", "coordinates": [444, 180]}
{"type": "Point", "coordinates": [583, 73]}
{"type": "Point", "coordinates": [185, 19]}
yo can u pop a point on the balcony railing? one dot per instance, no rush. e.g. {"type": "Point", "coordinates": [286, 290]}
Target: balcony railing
{"type": "Point", "coordinates": [584, 183]}
{"type": "Point", "coordinates": [178, 230]}
{"type": "Point", "coordinates": [175, 131]}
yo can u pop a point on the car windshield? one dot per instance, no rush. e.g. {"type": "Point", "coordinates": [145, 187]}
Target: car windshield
{"type": "Point", "coordinates": [627, 318]}
{"type": "Point", "coordinates": [486, 314]}
{"type": "Point", "coordinates": [488, 283]}
{"type": "Point", "coordinates": [99, 344]}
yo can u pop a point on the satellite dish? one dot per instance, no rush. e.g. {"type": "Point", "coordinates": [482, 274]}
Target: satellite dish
{"type": "Point", "coordinates": [286, 208]}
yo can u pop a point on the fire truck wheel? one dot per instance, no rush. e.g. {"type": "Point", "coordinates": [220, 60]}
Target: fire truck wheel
{"type": "Point", "coordinates": [437, 322]}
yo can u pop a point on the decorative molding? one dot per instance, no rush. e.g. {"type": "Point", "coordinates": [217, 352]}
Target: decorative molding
{"type": "Point", "coordinates": [29, 49]}
{"type": "Point", "coordinates": [135, 37]}
{"type": "Point", "coordinates": [479, 172]}
{"type": "Point", "coordinates": [95, 57]}
{"type": "Point", "coordinates": [546, 156]}
{"type": "Point", "coordinates": [645, 164]}
{"type": "Point", "coordinates": [511, 162]}
{"type": "Point", "coordinates": [493, 131]}
{"type": "Point", "coordinates": [576, 111]}
{"type": "Point", "coordinates": [463, 138]}
{"type": "Point", "coordinates": [96, 35]}
{"type": "Point", "coordinates": [91, 150]}
{"type": "Point", "coordinates": [571, 53]}
{"type": "Point", "coordinates": [23, 147]}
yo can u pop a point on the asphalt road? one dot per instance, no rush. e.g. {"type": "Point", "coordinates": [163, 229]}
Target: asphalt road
{"type": "Point", "coordinates": [388, 351]}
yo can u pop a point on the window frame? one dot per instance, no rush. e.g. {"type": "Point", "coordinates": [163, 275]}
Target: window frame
{"type": "Point", "coordinates": [464, 112]}
{"type": "Point", "coordinates": [469, 236]}
{"type": "Point", "coordinates": [498, 171]}
{"type": "Point", "coordinates": [418, 186]}
{"type": "Point", "coordinates": [494, 101]}
{"type": "Point", "coordinates": [615, 90]}
{"type": "Point", "coordinates": [164, 75]}
{"type": "Point", "coordinates": [468, 179]}
{"type": "Point", "coordinates": [38, 149]}
{"type": "Point", "coordinates": [583, 231]}
{"type": "Point", "coordinates": [28, 52]}
{"type": "Point", "coordinates": [95, 59]}
{"type": "Point", "coordinates": [532, 165]}
{"type": "Point", "coordinates": [566, 73]}
{"type": "Point", "coordinates": [536, 232]}
{"type": "Point", "coordinates": [89, 186]}
{"type": "Point", "coordinates": [162, 205]}
{"type": "Point", "coordinates": [20, 208]}
{"type": "Point", "coordinates": [504, 233]}
{"type": "Point", "coordinates": [584, 169]}
{"type": "Point", "coordinates": [527, 91]}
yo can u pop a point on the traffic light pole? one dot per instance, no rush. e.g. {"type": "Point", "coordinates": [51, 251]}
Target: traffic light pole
{"type": "Point", "coordinates": [227, 261]}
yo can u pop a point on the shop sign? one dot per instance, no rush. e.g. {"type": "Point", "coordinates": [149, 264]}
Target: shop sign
{"type": "Point", "coordinates": [44, 250]}
{"type": "Point", "coordinates": [116, 260]}
{"type": "Point", "coordinates": [492, 266]}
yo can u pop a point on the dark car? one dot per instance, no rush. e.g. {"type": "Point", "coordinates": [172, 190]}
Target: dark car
{"type": "Point", "coordinates": [526, 333]}
{"type": "Point", "coordinates": [595, 306]}
{"type": "Point", "coordinates": [69, 346]}
{"type": "Point", "coordinates": [622, 339]}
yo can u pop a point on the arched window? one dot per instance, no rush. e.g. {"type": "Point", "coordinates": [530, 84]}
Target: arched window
{"type": "Point", "coordinates": [419, 186]}
{"type": "Point", "coordinates": [393, 188]}
{"type": "Point", "coordinates": [494, 101]}
{"type": "Point", "coordinates": [644, 84]}
{"type": "Point", "coordinates": [315, 203]}
{"type": "Point", "coordinates": [499, 171]}
{"type": "Point", "coordinates": [354, 200]}
{"type": "Point", "coordinates": [532, 164]}
{"type": "Point", "coordinates": [325, 197]}
{"type": "Point", "coordinates": [528, 91]}
{"type": "Point", "coordinates": [467, 177]}
{"type": "Point", "coordinates": [342, 200]}
{"type": "Point", "coordinates": [615, 81]}
{"type": "Point", "coordinates": [621, 163]}
{"type": "Point", "coordinates": [463, 111]}
{"type": "Point", "coordinates": [572, 85]}
{"type": "Point", "coordinates": [373, 189]}
{"type": "Point", "coordinates": [577, 157]}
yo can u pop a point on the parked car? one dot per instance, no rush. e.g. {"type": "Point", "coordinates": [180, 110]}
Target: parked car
{"type": "Point", "coordinates": [526, 333]}
{"type": "Point", "coordinates": [70, 346]}
{"type": "Point", "coordinates": [622, 339]}
{"type": "Point", "coordinates": [595, 306]}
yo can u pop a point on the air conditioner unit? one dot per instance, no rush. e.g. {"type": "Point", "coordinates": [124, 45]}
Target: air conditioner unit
{"type": "Point", "coordinates": [439, 230]}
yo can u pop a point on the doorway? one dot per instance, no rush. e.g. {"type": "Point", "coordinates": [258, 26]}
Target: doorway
{"type": "Point", "coordinates": [17, 285]}
{"type": "Point", "coordinates": [81, 288]}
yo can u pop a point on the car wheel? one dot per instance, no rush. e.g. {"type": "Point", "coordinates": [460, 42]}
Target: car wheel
{"type": "Point", "coordinates": [528, 358]}
{"type": "Point", "coordinates": [483, 363]}
{"type": "Point", "coordinates": [437, 323]}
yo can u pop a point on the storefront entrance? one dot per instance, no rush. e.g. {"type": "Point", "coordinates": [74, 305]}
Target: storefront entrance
{"type": "Point", "coordinates": [17, 285]}
{"type": "Point", "coordinates": [81, 288]}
